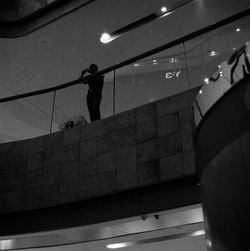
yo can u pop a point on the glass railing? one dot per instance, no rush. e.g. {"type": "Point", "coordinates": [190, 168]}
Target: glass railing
{"type": "Point", "coordinates": [165, 71]}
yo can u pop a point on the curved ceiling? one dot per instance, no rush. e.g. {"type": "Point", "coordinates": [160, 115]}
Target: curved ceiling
{"type": "Point", "coordinates": [21, 17]}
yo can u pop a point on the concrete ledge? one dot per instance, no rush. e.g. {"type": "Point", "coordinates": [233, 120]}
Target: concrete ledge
{"type": "Point", "coordinates": [144, 146]}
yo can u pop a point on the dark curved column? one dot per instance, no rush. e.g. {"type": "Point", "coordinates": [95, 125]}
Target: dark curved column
{"type": "Point", "coordinates": [222, 146]}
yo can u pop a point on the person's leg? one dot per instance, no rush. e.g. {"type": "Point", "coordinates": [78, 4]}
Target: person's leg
{"type": "Point", "coordinates": [96, 107]}
{"type": "Point", "coordinates": [90, 106]}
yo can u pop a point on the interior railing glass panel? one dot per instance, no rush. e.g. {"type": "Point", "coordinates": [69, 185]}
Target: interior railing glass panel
{"type": "Point", "coordinates": [26, 118]}
{"type": "Point", "coordinates": [150, 79]}
{"type": "Point", "coordinates": [206, 52]}
{"type": "Point", "coordinates": [71, 104]}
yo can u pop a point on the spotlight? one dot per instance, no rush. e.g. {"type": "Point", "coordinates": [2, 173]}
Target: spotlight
{"type": "Point", "coordinates": [106, 38]}
{"type": "Point", "coordinates": [163, 9]}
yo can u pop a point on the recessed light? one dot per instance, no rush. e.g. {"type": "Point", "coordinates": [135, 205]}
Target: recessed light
{"type": "Point", "coordinates": [198, 232]}
{"type": "Point", "coordinates": [238, 29]}
{"type": "Point", "coordinates": [106, 38]}
{"type": "Point", "coordinates": [119, 245]}
{"type": "Point", "coordinates": [173, 60]}
{"type": "Point", "coordinates": [136, 64]}
{"type": "Point", "coordinates": [163, 9]}
{"type": "Point", "coordinates": [212, 53]}
{"type": "Point", "coordinates": [206, 80]}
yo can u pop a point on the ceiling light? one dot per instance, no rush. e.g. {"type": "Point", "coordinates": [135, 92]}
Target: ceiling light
{"type": "Point", "coordinates": [206, 80]}
{"type": "Point", "coordinates": [119, 245]}
{"type": "Point", "coordinates": [173, 60]}
{"type": "Point", "coordinates": [198, 232]}
{"type": "Point", "coordinates": [163, 9]}
{"type": "Point", "coordinates": [6, 244]}
{"type": "Point", "coordinates": [136, 65]}
{"type": "Point", "coordinates": [212, 53]}
{"type": "Point", "coordinates": [106, 38]}
{"type": "Point", "coordinates": [238, 29]}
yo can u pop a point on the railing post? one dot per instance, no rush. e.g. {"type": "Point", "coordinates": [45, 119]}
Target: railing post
{"type": "Point", "coordinates": [52, 113]}
{"type": "Point", "coordinates": [114, 84]}
{"type": "Point", "coordinates": [186, 64]}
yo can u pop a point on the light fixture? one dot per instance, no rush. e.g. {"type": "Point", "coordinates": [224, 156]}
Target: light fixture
{"type": "Point", "coordinates": [163, 9]}
{"type": "Point", "coordinates": [6, 244]}
{"type": "Point", "coordinates": [119, 245]}
{"type": "Point", "coordinates": [212, 53]}
{"type": "Point", "coordinates": [206, 80]}
{"type": "Point", "coordinates": [173, 60]}
{"type": "Point", "coordinates": [106, 38]}
{"type": "Point", "coordinates": [155, 239]}
{"type": "Point", "coordinates": [238, 29]}
{"type": "Point", "coordinates": [136, 65]}
{"type": "Point", "coordinates": [198, 232]}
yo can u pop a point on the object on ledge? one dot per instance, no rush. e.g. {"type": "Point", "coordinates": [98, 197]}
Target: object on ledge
{"type": "Point", "coordinates": [72, 121]}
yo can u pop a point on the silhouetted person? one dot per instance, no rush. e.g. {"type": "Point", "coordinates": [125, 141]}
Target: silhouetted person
{"type": "Point", "coordinates": [94, 95]}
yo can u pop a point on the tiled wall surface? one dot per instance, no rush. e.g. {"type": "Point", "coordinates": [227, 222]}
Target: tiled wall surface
{"type": "Point", "coordinates": [146, 145]}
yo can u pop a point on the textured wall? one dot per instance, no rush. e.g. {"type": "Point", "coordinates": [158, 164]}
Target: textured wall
{"type": "Point", "coordinates": [146, 145]}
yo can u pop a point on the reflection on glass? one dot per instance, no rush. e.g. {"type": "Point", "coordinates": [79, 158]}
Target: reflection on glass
{"type": "Point", "coordinates": [153, 78]}
{"type": "Point", "coordinates": [25, 118]}
{"type": "Point", "coordinates": [206, 52]}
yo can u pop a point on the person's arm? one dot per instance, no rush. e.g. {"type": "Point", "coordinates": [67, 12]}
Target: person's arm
{"type": "Point", "coordinates": [83, 73]}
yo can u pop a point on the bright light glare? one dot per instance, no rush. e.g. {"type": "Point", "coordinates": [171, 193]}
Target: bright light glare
{"type": "Point", "coordinates": [212, 53]}
{"type": "Point", "coordinates": [206, 80]}
{"type": "Point", "coordinates": [198, 232]}
{"type": "Point", "coordinates": [119, 245]}
{"type": "Point", "coordinates": [166, 14]}
{"type": "Point", "coordinates": [106, 38]}
{"type": "Point", "coordinates": [6, 244]}
{"type": "Point", "coordinates": [238, 29]}
{"type": "Point", "coordinates": [163, 9]}
{"type": "Point", "coordinates": [209, 243]}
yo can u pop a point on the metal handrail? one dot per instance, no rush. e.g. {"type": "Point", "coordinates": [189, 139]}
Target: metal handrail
{"type": "Point", "coordinates": [134, 59]}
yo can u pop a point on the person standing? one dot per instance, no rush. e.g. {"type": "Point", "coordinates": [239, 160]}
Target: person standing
{"type": "Point", "coordinates": [94, 95]}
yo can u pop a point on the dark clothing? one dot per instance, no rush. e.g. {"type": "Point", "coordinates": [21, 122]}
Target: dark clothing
{"type": "Point", "coordinates": [94, 97]}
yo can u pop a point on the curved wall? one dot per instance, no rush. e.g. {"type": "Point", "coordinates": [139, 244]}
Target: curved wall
{"type": "Point", "coordinates": [222, 147]}
{"type": "Point", "coordinates": [147, 145]}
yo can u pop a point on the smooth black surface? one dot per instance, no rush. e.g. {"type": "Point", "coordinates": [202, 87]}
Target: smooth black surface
{"type": "Point", "coordinates": [22, 26]}
{"type": "Point", "coordinates": [150, 199]}
{"type": "Point", "coordinates": [224, 122]}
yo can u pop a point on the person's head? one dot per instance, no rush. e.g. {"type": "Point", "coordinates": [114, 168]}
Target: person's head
{"type": "Point", "coordinates": [93, 68]}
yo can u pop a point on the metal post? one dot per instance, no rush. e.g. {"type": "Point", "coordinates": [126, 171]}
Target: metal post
{"type": "Point", "coordinates": [52, 113]}
{"type": "Point", "coordinates": [114, 84]}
